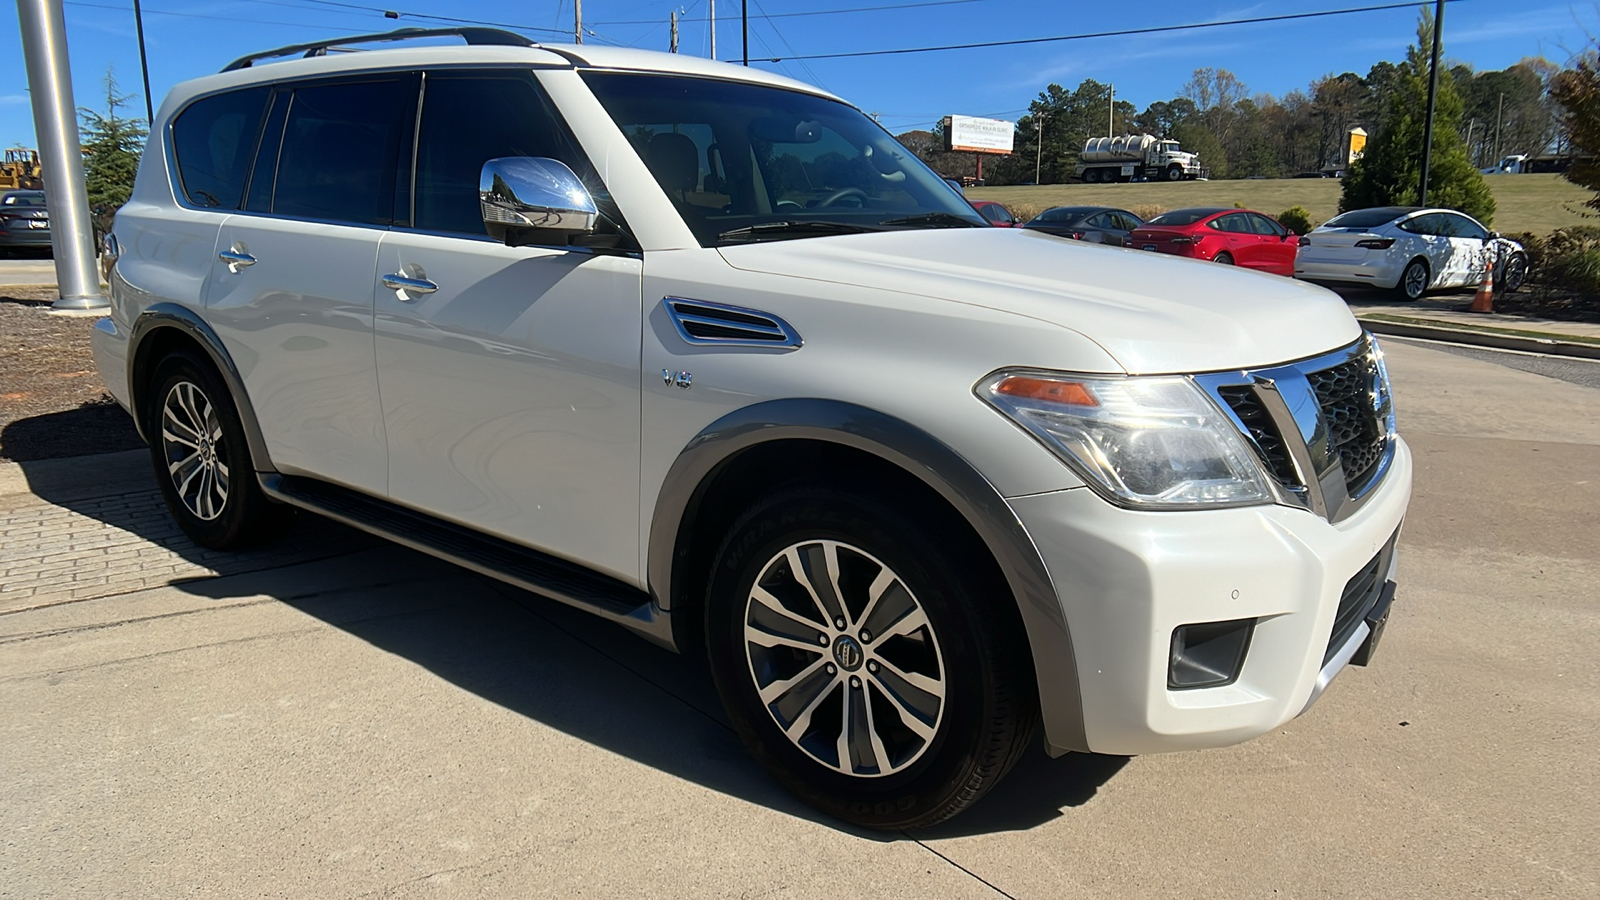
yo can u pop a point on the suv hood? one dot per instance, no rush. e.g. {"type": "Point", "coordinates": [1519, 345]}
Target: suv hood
{"type": "Point", "coordinates": [1153, 313]}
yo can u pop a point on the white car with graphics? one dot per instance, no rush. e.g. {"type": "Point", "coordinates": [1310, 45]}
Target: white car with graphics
{"type": "Point", "coordinates": [704, 351]}
{"type": "Point", "coordinates": [1409, 250]}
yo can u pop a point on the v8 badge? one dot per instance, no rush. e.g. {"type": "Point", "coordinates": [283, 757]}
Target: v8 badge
{"type": "Point", "coordinates": [681, 379]}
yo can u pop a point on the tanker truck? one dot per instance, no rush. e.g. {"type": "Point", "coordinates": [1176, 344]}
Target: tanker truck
{"type": "Point", "coordinates": [1132, 156]}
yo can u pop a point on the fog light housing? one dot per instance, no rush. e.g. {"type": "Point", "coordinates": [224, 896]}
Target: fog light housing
{"type": "Point", "coordinates": [1208, 654]}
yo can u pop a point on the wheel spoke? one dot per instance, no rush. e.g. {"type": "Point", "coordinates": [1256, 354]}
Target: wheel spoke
{"type": "Point", "coordinates": [802, 722]}
{"type": "Point", "coordinates": [879, 752]}
{"type": "Point", "coordinates": [778, 688]}
{"type": "Point", "coordinates": [908, 715]}
{"type": "Point", "coordinates": [798, 570]}
{"type": "Point", "coordinates": [803, 628]}
{"type": "Point", "coordinates": [179, 439]}
{"type": "Point", "coordinates": [172, 468]}
{"type": "Point", "coordinates": [183, 488]}
{"type": "Point", "coordinates": [916, 679]}
{"type": "Point", "coordinates": [880, 586]}
{"type": "Point", "coordinates": [904, 625]}
{"type": "Point", "coordinates": [856, 738]}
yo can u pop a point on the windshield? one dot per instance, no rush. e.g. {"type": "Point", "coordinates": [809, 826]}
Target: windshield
{"type": "Point", "coordinates": [746, 162]}
{"type": "Point", "coordinates": [36, 199]}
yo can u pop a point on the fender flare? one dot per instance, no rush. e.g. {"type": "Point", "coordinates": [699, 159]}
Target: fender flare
{"type": "Point", "coordinates": [160, 316]}
{"type": "Point", "coordinates": [918, 453]}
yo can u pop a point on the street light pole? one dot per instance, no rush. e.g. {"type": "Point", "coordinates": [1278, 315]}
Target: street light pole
{"type": "Point", "coordinates": [1038, 155]}
{"type": "Point", "coordinates": [144, 67]}
{"type": "Point", "coordinates": [55, 123]}
{"type": "Point", "coordinates": [1433, 93]}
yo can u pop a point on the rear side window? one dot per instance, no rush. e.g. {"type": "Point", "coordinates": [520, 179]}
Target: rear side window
{"type": "Point", "coordinates": [213, 141]}
{"type": "Point", "coordinates": [467, 121]}
{"type": "Point", "coordinates": [342, 149]}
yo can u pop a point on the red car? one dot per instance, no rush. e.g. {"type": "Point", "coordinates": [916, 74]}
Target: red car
{"type": "Point", "coordinates": [996, 213]}
{"type": "Point", "coordinates": [1234, 237]}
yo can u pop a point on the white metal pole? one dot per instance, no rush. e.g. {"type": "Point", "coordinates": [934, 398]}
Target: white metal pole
{"type": "Point", "coordinates": [55, 123]}
{"type": "Point", "coordinates": [1111, 113]}
{"type": "Point", "coordinates": [577, 21]}
{"type": "Point", "coordinates": [713, 29]}
{"type": "Point", "coordinates": [673, 48]}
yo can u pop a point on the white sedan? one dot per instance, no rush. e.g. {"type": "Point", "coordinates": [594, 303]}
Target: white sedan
{"type": "Point", "coordinates": [1409, 250]}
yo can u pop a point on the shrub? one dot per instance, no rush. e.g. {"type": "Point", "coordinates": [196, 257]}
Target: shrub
{"type": "Point", "coordinates": [1297, 219]}
{"type": "Point", "coordinates": [1148, 211]}
{"type": "Point", "coordinates": [1025, 211]}
{"type": "Point", "coordinates": [1577, 271]}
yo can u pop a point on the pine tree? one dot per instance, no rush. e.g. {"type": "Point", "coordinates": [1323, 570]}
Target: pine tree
{"type": "Point", "coordinates": [111, 149]}
{"type": "Point", "coordinates": [1390, 171]}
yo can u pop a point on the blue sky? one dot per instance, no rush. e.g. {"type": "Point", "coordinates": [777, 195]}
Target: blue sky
{"type": "Point", "coordinates": [188, 38]}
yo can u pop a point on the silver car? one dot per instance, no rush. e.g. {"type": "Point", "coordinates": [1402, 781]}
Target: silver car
{"type": "Point", "coordinates": [1409, 250]}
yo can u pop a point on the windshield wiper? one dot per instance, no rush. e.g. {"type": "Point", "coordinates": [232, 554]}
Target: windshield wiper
{"type": "Point", "coordinates": [791, 229]}
{"type": "Point", "coordinates": [934, 220]}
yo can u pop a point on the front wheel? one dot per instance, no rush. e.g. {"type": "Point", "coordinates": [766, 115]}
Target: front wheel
{"type": "Point", "coordinates": [863, 662]}
{"type": "Point", "coordinates": [1515, 274]}
{"type": "Point", "coordinates": [1174, 173]}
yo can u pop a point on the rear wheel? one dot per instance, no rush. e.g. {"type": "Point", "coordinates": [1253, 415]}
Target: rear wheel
{"type": "Point", "coordinates": [1224, 258]}
{"type": "Point", "coordinates": [864, 662]}
{"type": "Point", "coordinates": [1413, 280]}
{"type": "Point", "coordinates": [202, 462]}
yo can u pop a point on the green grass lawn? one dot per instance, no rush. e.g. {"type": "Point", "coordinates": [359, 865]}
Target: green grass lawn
{"type": "Point", "coordinates": [1537, 203]}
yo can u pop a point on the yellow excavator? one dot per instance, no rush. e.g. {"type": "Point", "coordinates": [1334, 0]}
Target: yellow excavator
{"type": "Point", "coordinates": [21, 171]}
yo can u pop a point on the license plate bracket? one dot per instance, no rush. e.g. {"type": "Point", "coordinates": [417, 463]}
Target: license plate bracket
{"type": "Point", "coordinates": [1377, 620]}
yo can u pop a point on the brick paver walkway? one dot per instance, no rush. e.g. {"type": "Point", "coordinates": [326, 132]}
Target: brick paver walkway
{"type": "Point", "coordinates": [126, 542]}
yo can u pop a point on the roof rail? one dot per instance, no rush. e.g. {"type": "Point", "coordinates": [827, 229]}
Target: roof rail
{"type": "Point", "coordinates": [472, 35]}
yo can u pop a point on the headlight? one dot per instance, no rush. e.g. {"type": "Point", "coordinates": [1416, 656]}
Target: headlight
{"type": "Point", "coordinates": [1142, 442]}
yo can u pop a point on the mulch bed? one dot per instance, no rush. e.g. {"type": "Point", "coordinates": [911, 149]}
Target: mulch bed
{"type": "Point", "coordinates": [52, 401]}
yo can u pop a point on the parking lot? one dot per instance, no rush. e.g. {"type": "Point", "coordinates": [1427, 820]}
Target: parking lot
{"type": "Point", "coordinates": [332, 716]}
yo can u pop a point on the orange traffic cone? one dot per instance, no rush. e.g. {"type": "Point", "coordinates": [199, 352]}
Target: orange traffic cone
{"type": "Point", "coordinates": [1483, 301]}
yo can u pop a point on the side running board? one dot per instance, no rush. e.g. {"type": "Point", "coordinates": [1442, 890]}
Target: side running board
{"type": "Point", "coordinates": [512, 563]}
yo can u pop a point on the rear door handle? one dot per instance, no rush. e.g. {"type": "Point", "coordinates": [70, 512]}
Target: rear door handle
{"type": "Point", "coordinates": [398, 282]}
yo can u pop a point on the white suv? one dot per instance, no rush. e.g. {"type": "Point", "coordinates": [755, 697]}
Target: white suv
{"type": "Point", "coordinates": [704, 351]}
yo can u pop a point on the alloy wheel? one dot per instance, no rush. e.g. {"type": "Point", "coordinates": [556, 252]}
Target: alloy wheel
{"type": "Point", "coordinates": [191, 439]}
{"type": "Point", "coordinates": [844, 658]}
{"type": "Point", "coordinates": [1416, 280]}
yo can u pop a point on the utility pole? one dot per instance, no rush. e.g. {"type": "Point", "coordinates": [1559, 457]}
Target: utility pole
{"type": "Point", "coordinates": [1111, 112]}
{"type": "Point", "coordinates": [1471, 154]}
{"type": "Point", "coordinates": [674, 46]}
{"type": "Point", "coordinates": [144, 67]}
{"type": "Point", "coordinates": [1499, 117]}
{"type": "Point", "coordinates": [55, 123]}
{"type": "Point", "coordinates": [713, 29]}
{"type": "Point", "coordinates": [1433, 93]}
{"type": "Point", "coordinates": [744, 28]}
{"type": "Point", "coordinates": [577, 21]}
{"type": "Point", "coordinates": [1038, 147]}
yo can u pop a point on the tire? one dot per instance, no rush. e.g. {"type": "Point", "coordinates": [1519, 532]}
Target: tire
{"type": "Point", "coordinates": [1174, 173]}
{"type": "Point", "coordinates": [202, 462]}
{"type": "Point", "coordinates": [960, 668]}
{"type": "Point", "coordinates": [1413, 281]}
{"type": "Point", "coordinates": [1224, 258]}
{"type": "Point", "coordinates": [1515, 274]}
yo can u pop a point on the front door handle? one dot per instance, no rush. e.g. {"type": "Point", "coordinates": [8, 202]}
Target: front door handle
{"type": "Point", "coordinates": [398, 282]}
{"type": "Point", "coordinates": [236, 258]}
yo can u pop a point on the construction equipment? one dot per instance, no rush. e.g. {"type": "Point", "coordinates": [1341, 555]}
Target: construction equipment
{"type": "Point", "coordinates": [21, 170]}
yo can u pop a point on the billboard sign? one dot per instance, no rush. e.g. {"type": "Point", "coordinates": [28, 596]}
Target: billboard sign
{"type": "Point", "coordinates": [970, 134]}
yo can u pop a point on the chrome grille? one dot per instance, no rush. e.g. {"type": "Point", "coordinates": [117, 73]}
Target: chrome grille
{"type": "Point", "coordinates": [1321, 427]}
{"type": "Point", "coordinates": [1345, 392]}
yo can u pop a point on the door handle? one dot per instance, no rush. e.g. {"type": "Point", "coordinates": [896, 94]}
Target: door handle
{"type": "Point", "coordinates": [398, 282]}
{"type": "Point", "coordinates": [236, 258]}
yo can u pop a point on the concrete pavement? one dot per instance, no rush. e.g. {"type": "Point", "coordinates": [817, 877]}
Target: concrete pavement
{"type": "Point", "coordinates": [353, 719]}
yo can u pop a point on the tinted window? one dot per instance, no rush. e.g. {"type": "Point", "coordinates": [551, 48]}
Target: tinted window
{"type": "Point", "coordinates": [341, 151]}
{"type": "Point", "coordinates": [213, 141]}
{"type": "Point", "coordinates": [1463, 227]}
{"type": "Point", "coordinates": [34, 199]}
{"type": "Point", "coordinates": [467, 121]}
{"type": "Point", "coordinates": [1429, 224]}
{"type": "Point", "coordinates": [1264, 225]}
{"type": "Point", "coordinates": [1366, 218]}
{"type": "Point", "coordinates": [258, 196]}
{"type": "Point", "coordinates": [994, 212]}
{"type": "Point", "coordinates": [1235, 223]}
{"type": "Point", "coordinates": [1182, 217]}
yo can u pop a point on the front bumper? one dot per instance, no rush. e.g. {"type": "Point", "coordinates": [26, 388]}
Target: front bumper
{"type": "Point", "coordinates": [1127, 579]}
{"type": "Point", "coordinates": [1381, 272]}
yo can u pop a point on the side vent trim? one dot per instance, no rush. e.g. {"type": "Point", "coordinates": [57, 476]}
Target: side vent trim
{"type": "Point", "coordinates": [703, 323]}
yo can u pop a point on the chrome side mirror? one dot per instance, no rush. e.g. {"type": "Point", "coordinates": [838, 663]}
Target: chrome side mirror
{"type": "Point", "coordinates": [536, 193]}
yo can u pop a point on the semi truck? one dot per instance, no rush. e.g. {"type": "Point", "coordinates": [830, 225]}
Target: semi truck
{"type": "Point", "coordinates": [1132, 157]}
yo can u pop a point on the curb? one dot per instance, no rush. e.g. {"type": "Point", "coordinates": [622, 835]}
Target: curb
{"type": "Point", "coordinates": [1546, 346]}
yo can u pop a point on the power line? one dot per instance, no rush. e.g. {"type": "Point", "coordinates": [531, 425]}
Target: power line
{"type": "Point", "coordinates": [814, 12]}
{"type": "Point", "coordinates": [1157, 29]}
{"type": "Point", "coordinates": [184, 15]}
